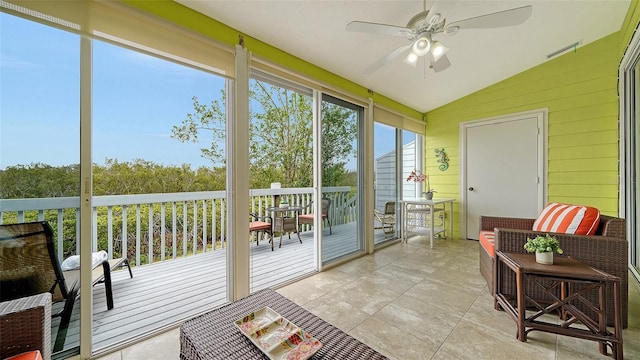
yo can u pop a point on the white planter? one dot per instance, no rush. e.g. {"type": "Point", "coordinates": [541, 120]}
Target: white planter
{"type": "Point", "coordinates": [544, 258]}
{"type": "Point", "coordinates": [284, 206]}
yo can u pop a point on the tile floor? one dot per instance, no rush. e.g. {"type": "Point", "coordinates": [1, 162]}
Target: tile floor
{"type": "Point", "coordinates": [411, 302]}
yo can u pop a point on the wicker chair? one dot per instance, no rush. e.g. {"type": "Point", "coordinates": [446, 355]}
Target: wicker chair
{"type": "Point", "coordinates": [308, 218]}
{"type": "Point", "coordinates": [29, 266]}
{"type": "Point", "coordinates": [261, 224]}
{"type": "Point", "coordinates": [606, 250]}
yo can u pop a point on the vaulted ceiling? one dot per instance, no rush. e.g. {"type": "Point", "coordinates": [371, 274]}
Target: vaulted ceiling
{"type": "Point", "coordinates": [315, 31]}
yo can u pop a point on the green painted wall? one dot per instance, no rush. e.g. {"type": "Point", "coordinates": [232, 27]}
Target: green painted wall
{"type": "Point", "coordinates": [580, 91]}
{"type": "Point", "coordinates": [193, 20]}
{"type": "Point", "coordinates": [629, 25]}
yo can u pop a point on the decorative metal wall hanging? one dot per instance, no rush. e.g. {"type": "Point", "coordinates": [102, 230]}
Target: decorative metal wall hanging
{"type": "Point", "coordinates": [443, 159]}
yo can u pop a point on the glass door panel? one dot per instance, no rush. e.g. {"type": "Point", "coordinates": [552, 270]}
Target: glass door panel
{"type": "Point", "coordinates": [159, 190]}
{"type": "Point", "coordinates": [386, 162]}
{"type": "Point", "coordinates": [40, 147]}
{"type": "Point", "coordinates": [341, 191]}
{"type": "Point", "coordinates": [280, 181]}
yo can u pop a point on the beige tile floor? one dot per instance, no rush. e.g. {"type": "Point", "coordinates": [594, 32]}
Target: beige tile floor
{"type": "Point", "coordinates": [411, 302]}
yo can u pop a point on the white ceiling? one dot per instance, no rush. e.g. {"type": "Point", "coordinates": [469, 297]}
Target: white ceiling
{"type": "Point", "coordinates": [314, 30]}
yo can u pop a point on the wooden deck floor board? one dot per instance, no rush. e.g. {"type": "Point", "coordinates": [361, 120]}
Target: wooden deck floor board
{"type": "Point", "coordinates": [166, 293]}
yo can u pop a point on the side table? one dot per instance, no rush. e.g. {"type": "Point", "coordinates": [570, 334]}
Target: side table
{"type": "Point", "coordinates": [570, 280]}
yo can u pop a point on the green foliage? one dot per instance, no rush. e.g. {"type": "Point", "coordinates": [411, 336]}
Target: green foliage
{"type": "Point", "coordinates": [147, 177]}
{"type": "Point", "coordinates": [43, 181]}
{"type": "Point", "coordinates": [546, 243]}
{"type": "Point", "coordinates": [210, 119]}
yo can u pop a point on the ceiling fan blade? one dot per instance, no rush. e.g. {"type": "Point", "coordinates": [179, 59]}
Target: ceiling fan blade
{"type": "Point", "coordinates": [392, 55]}
{"type": "Point", "coordinates": [375, 28]}
{"type": "Point", "coordinates": [510, 17]}
{"type": "Point", "coordinates": [441, 9]}
{"type": "Point", "coordinates": [442, 64]}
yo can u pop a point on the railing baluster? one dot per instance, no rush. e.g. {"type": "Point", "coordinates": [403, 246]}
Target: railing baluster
{"type": "Point", "coordinates": [163, 212]}
{"type": "Point", "coordinates": [125, 234]}
{"type": "Point", "coordinates": [184, 229]}
{"type": "Point", "coordinates": [204, 226]}
{"type": "Point", "coordinates": [110, 232]}
{"type": "Point", "coordinates": [138, 235]}
{"type": "Point", "coordinates": [150, 234]}
{"type": "Point", "coordinates": [195, 227]}
{"type": "Point", "coordinates": [223, 215]}
{"type": "Point", "coordinates": [94, 229]}
{"type": "Point", "coordinates": [77, 231]}
{"type": "Point", "coordinates": [214, 223]}
{"type": "Point", "coordinates": [60, 251]}
{"type": "Point", "coordinates": [174, 230]}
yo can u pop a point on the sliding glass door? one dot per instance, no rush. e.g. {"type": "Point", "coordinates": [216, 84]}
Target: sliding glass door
{"type": "Point", "coordinates": [159, 190]}
{"type": "Point", "coordinates": [280, 181]}
{"type": "Point", "coordinates": [342, 193]}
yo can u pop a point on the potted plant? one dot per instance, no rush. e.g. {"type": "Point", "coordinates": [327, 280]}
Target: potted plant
{"type": "Point", "coordinates": [284, 204]}
{"type": "Point", "coordinates": [419, 177]}
{"type": "Point", "coordinates": [544, 247]}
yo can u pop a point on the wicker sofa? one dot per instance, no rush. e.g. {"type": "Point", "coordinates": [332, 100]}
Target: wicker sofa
{"type": "Point", "coordinates": [606, 250]}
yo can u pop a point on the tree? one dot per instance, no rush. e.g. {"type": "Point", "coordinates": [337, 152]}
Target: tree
{"type": "Point", "coordinates": [211, 119]}
{"type": "Point", "coordinates": [281, 136]}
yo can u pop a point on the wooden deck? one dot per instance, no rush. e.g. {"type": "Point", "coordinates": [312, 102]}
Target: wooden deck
{"type": "Point", "coordinates": [163, 294]}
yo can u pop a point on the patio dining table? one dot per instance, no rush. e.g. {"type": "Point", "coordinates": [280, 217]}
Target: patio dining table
{"type": "Point", "coordinates": [285, 219]}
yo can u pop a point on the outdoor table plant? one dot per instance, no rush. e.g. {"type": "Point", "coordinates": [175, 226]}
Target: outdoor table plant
{"type": "Point", "coordinates": [544, 247]}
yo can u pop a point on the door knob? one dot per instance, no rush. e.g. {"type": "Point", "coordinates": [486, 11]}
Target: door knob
{"type": "Point", "coordinates": [471, 188]}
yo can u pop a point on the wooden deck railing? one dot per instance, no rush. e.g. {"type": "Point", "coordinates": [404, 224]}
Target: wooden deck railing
{"type": "Point", "coordinates": [156, 227]}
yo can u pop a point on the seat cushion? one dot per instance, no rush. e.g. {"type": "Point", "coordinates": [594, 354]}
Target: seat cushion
{"type": "Point", "coordinates": [259, 226]}
{"type": "Point", "coordinates": [568, 219]}
{"type": "Point", "coordinates": [487, 239]}
{"type": "Point", "coordinates": [30, 355]}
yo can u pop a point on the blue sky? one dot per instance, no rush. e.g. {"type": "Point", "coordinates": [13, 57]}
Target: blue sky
{"type": "Point", "coordinates": [136, 101]}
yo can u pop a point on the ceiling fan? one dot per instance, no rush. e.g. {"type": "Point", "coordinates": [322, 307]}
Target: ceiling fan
{"type": "Point", "coordinates": [427, 24]}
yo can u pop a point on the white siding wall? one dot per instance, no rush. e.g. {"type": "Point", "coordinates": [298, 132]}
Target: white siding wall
{"type": "Point", "coordinates": [385, 175]}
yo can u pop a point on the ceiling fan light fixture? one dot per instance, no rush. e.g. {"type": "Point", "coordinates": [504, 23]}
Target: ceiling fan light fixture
{"type": "Point", "coordinates": [411, 59]}
{"type": "Point", "coordinates": [421, 46]}
{"type": "Point", "coordinates": [438, 50]}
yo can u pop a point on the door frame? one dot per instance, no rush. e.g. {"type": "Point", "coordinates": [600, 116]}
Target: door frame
{"type": "Point", "coordinates": [542, 116]}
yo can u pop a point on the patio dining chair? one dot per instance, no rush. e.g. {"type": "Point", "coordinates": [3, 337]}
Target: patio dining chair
{"type": "Point", "coordinates": [261, 224]}
{"type": "Point", "coordinates": [386, 218]}
{"type": "Point", "coordinates": [308, 218]}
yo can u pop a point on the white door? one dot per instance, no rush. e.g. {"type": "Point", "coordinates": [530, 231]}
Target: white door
{"type": "Point", "coordinates": [504, 168]}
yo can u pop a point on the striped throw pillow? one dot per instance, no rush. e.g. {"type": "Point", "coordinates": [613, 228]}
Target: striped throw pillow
{"type": "Point", "coordinates": [568, 219]}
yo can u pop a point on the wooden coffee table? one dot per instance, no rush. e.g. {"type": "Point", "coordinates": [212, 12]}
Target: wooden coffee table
{"type": "Point", "coordinates": [566, 281]}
